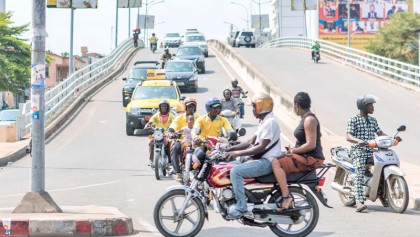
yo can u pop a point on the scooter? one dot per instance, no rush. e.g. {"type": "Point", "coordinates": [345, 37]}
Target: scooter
{"type": "Point", "coordinates": [387, 182]}
{"type": "Point", "coordinates": [233, 118]}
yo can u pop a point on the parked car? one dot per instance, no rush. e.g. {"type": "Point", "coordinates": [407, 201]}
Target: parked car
{"type": "Point", "coordinates": [245, 38]}
{"type": "Point", "coordinates": [137, 74]}
{"type": "Point", "coordinates": [199, 40]}
{"type": "Point", "coordinates": [172, 40]}
{"type": "Point", "coordinates": [194, 53]}
{"type": "Point", "coordinates": [184, 73]}
{"type": "Point", "coordinates": [145, 102]}
{"type": "Point", "coordinates": [8, 116]}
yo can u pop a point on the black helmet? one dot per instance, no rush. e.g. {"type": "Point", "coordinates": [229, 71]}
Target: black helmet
{"type": "Point", "coordinates": [164, 102]}
{"type": "Point", "coordinates": [234, 81]}
{"type": "Point", "coordinates": [153, 34]}
{"type": "Point", "coordinates": [362, 102]}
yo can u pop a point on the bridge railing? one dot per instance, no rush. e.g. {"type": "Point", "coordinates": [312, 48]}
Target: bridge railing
{"type": "Point", "coordinates": [65, 91]}
{"type": "Point", "coordinates": [382, 66]}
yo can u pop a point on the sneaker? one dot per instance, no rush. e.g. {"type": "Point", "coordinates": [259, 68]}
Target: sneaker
{"type": "Point", "coordinates": [360, 207]}
{"type": "Point", "coordinates": [234, 213]}
{"type": "Point", "coordinates": [178, 177]}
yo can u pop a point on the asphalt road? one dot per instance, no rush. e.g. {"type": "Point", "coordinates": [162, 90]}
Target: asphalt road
{"type": "Point", "coordinates": [92, 162]}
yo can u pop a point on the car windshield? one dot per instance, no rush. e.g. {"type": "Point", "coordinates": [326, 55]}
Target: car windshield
{"type": "Point", "coordinates": [188, 51]}
{"type": "Point", "coordinates": [137, 74]}
{"type": "Point", "coordinates": [175, 66]}
{"type": "Point", "coordinates": [247, 34]}
{"type": "Point", "coordinates": [195, 38]}
{"type": "Point", "coordinates": [155, 92]}
{"type": "Point", "coordinates": [172, 35]}
{"type": "Point", "coordinates": [9, 114]}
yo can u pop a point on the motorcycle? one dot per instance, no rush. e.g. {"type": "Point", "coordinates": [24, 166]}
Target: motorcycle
{"type": "Point", "coordinates": [164, 60]}
{"type": "Point", "coordinates": [387, 182]}
{"type": "Point", "coordinates": [233, 118]}
{"type": "Point", "coordinates": [182, 210]}
{"type": "Point", "coordinates": [160, 163]}
{"type": "Point", "coordinates": [154, 47]}
{"type": "Point", "coordinates": [316, 56]}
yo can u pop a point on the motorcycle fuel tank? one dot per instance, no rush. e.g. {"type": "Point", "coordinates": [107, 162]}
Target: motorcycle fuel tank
{"type": "Point", "coordinates": [219, 176]}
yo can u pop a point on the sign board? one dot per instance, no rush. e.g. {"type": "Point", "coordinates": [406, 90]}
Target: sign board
{"type": "Point", "coordinates": [79, 4]}
{"type": "Point", "coordinates": [302, 5]}
{"type": "Point", "coordinates": [365, 19]}
{"type": "Point", "coordinates": [255, 21]}
{"type": "Point", "coordinates": [146, 22]}
{"type": "Point", "coordinates": [129, 3]}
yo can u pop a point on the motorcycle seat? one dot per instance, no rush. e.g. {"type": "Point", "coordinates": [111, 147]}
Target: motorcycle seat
{"type": "Point", "coordinates": [291, 178]}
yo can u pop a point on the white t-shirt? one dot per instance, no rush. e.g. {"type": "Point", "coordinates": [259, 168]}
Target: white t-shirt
{"type": "Point", "coordinates": [270, 129]}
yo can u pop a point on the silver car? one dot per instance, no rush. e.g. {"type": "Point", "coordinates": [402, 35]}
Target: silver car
{"type": "Point", "coordinates": [245, 38]}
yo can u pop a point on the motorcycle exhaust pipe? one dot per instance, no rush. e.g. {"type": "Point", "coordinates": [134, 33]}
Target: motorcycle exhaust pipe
{"type": "Point", "coordinates": [338, 187]}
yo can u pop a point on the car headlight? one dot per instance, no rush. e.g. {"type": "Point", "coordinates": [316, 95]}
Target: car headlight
{"type": "Point", "coordinates": [135, 111]}
{"type": "Point", "coordinates": [158, 135]}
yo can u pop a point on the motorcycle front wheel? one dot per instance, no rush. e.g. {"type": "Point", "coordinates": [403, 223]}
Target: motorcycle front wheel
{"type": "Point", "coordinates": [345, 180]}
{"type": "Point", "coordinates": [308, 219]}
{"type": "Point", "coordinates": [398, 197]}
{"type": "Point", "coordinates": [171, 223]}
{"type": "Point", "coordinates": [158, 165]}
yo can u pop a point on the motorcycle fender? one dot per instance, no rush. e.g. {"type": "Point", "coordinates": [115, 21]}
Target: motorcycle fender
{"type": "Point", "coordinates": [392, 169]}
{"type": "Point", "coordinates": [320, 195]}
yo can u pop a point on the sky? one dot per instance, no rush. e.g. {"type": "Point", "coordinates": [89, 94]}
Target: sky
{"type": "Point", "coordinates": [95, 28]}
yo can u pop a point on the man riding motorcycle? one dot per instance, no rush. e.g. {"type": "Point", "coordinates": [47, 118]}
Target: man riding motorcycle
{"type": "Point", "coordinates": [190, 105]}
{"type": "Point", "coordinates": [165, 57]}
{"type": "Point", "coordinates": [161, 119]}
{"type": "Point", "coordinates": [264, 146]}
{"type": "Point", "coordinates": [315, 48]}
{"type": "Point", "coordinates": [153, 41]}
{"type": "Point", "coordinates": [237, 92]}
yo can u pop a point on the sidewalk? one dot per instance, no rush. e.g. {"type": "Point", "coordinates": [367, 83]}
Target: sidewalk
{"type": "Point", "coordinates": [73, 221]}
{"type": "Point", "coordinates": [12, 151]}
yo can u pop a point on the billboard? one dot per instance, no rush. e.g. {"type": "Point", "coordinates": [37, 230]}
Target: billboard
{"type": "Point", "coordinates": [146, 22]}
{"type": "Point", "coordinates": [129, 3]}
{"type": "Point", "coordinates": [255, 21]}
{"type": "Point", "coordinates": [72, 4]}
{"type": "Point", "coordinates": [366, 17]}
{"type": "Point", "coordinates": [301, 5]}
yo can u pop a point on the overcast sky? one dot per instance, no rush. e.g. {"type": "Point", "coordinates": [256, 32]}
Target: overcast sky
{"type": "Point", "coordinates": [95, 28]}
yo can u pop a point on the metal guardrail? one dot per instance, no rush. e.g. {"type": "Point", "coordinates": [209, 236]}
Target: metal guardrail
{"type": "Point", "coordinates": [65, 91]}
{"type": "Point", "coordinates": [382, 66]}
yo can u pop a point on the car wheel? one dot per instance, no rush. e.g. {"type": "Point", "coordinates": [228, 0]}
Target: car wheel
{"type": "Point", "coordinates": [129, 130]}
{"type": "Point", "coordinates": [253, 46]}
{"type": "Point", "coordinates": [125, 103]}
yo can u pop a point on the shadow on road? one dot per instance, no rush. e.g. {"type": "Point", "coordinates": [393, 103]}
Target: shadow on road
{"type": "Point", "coordinates": [250, 232]}
{"type": "Point", "coordinates": [209, 72]}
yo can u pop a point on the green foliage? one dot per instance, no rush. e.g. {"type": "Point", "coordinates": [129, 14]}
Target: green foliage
{"type": "Point", "coordinates": [398, 39]}
{"type": "Point", "coordinates": [15, 56]}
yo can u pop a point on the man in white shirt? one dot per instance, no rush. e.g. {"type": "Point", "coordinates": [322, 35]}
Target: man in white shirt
{"type": "Point", "coordinates": [264, 146]}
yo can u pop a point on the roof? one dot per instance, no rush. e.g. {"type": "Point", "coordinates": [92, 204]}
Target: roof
{"type": "Point", "coordinates": [156, 83]}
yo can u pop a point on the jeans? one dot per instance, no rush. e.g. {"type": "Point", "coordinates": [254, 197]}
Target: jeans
{"type": "Point", "coordinates": [249, 169]}
{"type": "Point", "coordinates": [175, 154]}
{"type": "Point", "coordinates": [242, 110]}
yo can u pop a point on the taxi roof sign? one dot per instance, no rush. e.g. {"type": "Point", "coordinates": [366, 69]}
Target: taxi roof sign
{"type": "Point", "coordinates": [155, 74]}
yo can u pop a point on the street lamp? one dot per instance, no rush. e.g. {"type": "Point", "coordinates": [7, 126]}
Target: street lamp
{"type": "Point", "coordinates": [246, 9]}
{"type": "Point", "coordinates": [259, 15]}
{"type": "Point", "coordinates": [148, 5]}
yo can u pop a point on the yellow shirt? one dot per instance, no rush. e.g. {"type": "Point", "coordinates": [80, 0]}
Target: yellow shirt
{"type": "Point", "coordinates": [180, 121]}
{"type": "Point", "coordinates": [153, 39]}
{"type": "Point", "coordinates": [158, 122]}
{"type": "Point", "coordinates": [211, 128]}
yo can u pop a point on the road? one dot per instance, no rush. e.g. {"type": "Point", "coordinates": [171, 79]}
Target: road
{"type": "Point", "coordinates": [92, 162]}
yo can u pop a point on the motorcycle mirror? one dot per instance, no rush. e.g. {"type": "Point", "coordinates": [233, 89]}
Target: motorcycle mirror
{"type": "Point", "coordinates": [242, 132]}
{"type": "Point", "coordinates": [124, 79]}
{"type": "Point", "coordinates": [401, 128]}
{"type": "Point", "coordinates": [232, 136]}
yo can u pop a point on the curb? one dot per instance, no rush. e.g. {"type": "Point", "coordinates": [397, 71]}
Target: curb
{"type": "Point", "coordinates": [71, 109]}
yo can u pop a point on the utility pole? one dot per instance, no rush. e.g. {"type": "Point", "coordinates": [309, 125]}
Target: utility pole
{"type": "Point", "coordinates": [116, 24]}
{"type": "Point", "coordinates": [38, 200]}
{"type": "Point", "coordinates": [348, 24]}
{"type": "Point", "coordinates": [2, 5]}
{"type": "Point", "coordinates": [71, 66]}
{"type": "Point", "coordinates": [129, 20]}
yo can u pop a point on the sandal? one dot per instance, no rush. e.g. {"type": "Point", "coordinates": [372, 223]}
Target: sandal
{"type": "Point", "coordinates": [280, 207]}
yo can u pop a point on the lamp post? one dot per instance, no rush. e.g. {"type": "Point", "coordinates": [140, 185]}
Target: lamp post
{"type": "Point", "coordinates": [148, 5]}
{"type": "Point", "coordinates": [246, 9]}
{"type": "Point", "coordinates": [348, 24]}
{"type": "Point", "coordinates": [259, 16]}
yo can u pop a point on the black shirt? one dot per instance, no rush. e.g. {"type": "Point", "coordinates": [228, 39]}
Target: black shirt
{"type": "Point", "coordinates": [301, 139]}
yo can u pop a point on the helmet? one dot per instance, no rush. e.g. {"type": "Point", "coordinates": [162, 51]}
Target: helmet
{"type": "Point", "coordinates": [362, 102]}
{"type": "Point", "coordinates": [212, 102]}
{"type": "Point", "coordinates": [163, 102]}
{"type": "Point", "coordinates": [188, 101]}
{"type": "Point", "coordinates": [234, 81]}
{"type": "Point", "coordinates": [263, 103]}
{"type": "Point", "coordinates": [153, 34]}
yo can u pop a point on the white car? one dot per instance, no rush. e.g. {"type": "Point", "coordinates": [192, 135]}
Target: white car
{"type": "Point", "coordinates": [199, 40]}
{"type": "Point", "coordinates": [172, 40]}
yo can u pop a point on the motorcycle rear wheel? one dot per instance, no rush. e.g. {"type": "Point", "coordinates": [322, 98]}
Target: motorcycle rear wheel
{"type": "Point", "coordinates": [398, 199]}
{"type": "Point", "coordinates": [304, 227]}
{"type": "Point", "coordinates": [346, 199]}
{"type": "Point", "coordinates": [165, 218]}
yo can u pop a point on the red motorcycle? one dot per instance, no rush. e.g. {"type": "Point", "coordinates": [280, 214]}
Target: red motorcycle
{"type": "Point", "coordinates": [181, 211]}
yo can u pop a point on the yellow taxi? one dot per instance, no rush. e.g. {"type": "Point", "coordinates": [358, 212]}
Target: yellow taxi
{"type": "Point", "coordinates": [156, 74]}
{"type": "Point", "coordinates": [145, 102]}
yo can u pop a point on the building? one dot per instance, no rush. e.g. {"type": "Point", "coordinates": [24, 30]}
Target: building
{"type": "Point", "coordinates": [285, 22]}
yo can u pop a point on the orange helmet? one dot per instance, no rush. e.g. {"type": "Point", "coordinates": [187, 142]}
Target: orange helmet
{"type": "Point", "coordinates": [263, 103]}
{"type": "Point", "coordinates": [189, 100]}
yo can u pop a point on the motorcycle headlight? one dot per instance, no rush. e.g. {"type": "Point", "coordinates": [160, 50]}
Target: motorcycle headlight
{"type": "Point", "coordinates": [158, 135]}
{"type": "Point", "coordinates": [135, 111]}
{"type": "Point", "coordinates": [385, 143]}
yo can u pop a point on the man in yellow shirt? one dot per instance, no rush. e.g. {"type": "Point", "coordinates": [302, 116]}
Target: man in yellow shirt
{"type": "Point", "coordinates": [161, 119]}
{"type": "Point", "coordinates": [211, 124]}
{"type": "Point", "coordinates": [153, 41]}
{"type": "Point", "coordinates": [190, 105]}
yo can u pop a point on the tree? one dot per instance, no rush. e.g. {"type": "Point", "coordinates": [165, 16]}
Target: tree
{"type": "Point", "coordinates": [15, 56]}
{"type": "Point", "coordinates": [396, 38]}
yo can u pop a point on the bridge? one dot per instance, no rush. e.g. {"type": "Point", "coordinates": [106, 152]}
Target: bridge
{"type": "Point", "coordinates": [91, 161]}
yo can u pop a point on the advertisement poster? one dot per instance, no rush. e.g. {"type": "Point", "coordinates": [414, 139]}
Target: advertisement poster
{"type": "Point", "coordinates": [35, 103]}
{"type": "Point", "coordinates": [38, 75]}
{"type": "Point", "coordinates": [366, 17]}
{"type": "Point", "coordinates": [131, 3]}
{"type": "Point", "coordinates": [301, 5]}
{"type": "Point", "coordinates": [72, 3]}
{"type": "Point", "coordinates": [147, 22]}
{"type": "Point", "coordinates": [255, 21]}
